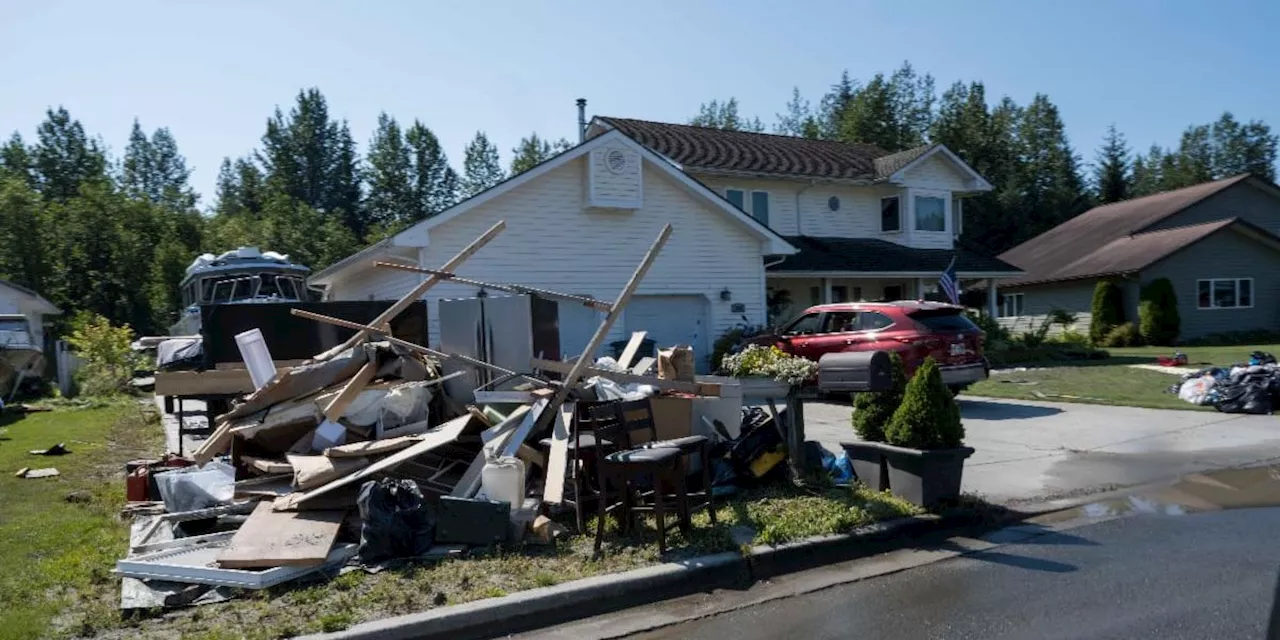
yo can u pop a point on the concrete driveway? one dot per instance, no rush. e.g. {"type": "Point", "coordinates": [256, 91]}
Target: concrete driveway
{"type": "Point", "coordinates": [1035, 451]}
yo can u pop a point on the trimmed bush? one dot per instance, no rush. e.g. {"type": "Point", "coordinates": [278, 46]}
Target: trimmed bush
{"type": "Point", "coordinates": [1125, 335]}
{"type": "Point", "coordinates": [1158, 320]}
{"type": "Point", "coordinates": [928, 417]}
{"type": "Point", "coordinates": [1108, 310]}
{"type": "Point", "coordinates": [873, 409]}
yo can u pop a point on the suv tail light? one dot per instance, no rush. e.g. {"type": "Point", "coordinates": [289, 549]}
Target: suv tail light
{"type": "Point", "coordinates": [928, 342]}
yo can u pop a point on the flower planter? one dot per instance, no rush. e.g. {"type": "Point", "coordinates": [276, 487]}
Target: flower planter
{"type": "Point", "coordinates": [759, 387]}
{"type": "Point", "coordinates": [925, 477]}
{"type": "Point", "coordinates": [868, 464]}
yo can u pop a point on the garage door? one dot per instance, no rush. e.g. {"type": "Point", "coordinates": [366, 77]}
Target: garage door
{"type": "Point", "coordinates": [672, 320]}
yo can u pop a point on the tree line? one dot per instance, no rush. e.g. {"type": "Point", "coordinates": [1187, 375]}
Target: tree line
{"type": "Point", "coordinates": [1022, 149]}
{"type": "Point", "coordinates": [114, 235]}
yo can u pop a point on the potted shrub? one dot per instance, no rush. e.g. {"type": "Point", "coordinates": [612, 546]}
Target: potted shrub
{"type": "Point", "coordinates": [871, 412]}
{"type": "Point", "coordinates": [925, 450]}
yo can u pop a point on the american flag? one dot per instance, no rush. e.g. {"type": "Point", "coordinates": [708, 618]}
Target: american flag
{"type": "Point", "coordinates": [949, 283]}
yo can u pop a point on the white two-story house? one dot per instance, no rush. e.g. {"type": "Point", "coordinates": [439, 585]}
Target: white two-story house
{"type": "Point", "coordinates": [752, 215]}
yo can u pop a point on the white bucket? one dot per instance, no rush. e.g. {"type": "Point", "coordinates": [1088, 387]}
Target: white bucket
{"type": "Point", "coordinates": [503, 480]}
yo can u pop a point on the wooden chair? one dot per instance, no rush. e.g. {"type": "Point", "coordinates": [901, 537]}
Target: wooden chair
{"type": "Point", "coordinates": [621, 467]}
{"type": "Point", "coordinates": [700, 446]}
{"type": "Point", "coordinates": [583, 456]}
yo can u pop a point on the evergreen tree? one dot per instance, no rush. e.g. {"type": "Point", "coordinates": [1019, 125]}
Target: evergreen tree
{"type": "Point", "coordinates": [344, 196]}
{"type": "Point", "coordinates": [799, 119]}
{"type": "Point", "coordinates": [1048, 181]}
{"type": "Point", "coordinates": [64, 157]}
{"type": "Point", "coordinates": [1112, 177]}
{"type": "Point", "coordinates": [832, 108]}
{"type": "Point", "coordinates": [893, 113]}
{"type": "Point", "coordinates": [533, 151]}
{"type": "Point", "coordinates": [435, 183]}
{"type": "Point", "coordinates": [1146, 172]}
{"type": "Point", "coordinates": [23, 254]}
{"type": "Point", "coordinates": [724, 115]}
{"type": "Point", "coordinates": [390, 175]}
{"type": "Point", "coordinates": [15, 160]}
{"type": "Point", "coordinates": [481, 168]}
{"type": "Point", "coordinates": [154, 169]}
{"type": "Point", "coordinates": [240, 189]}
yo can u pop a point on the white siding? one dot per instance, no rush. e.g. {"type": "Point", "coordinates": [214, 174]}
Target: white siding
{"type": "Point", "coordinates": [782, 199]}
{"type": "Point", "coordinates": [552, 241]}
{"type": "Point", "coordinates": [621, 189]}
{"type": "Point", "coordinates": [375, 283]}
{"type": "Point", "coordinates": [937, 172]}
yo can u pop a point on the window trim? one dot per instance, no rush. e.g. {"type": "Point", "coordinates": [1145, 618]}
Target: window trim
{"type": "Point", "coordinates": [748, 202]}
{"type": "Point", "coordinates": [957, 216]}
{"type": "Point", "coordinates": [1005, 304]}
{"type": "Point", "coordinates": [943, 196]}
{"type": "Point", "coordinates": [897, 197]}
{"type": "Point", "coordinates": [1253, 293]}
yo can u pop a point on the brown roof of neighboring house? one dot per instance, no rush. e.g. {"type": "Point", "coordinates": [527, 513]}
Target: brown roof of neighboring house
{"type": "Point", "coordinates": [708, 148]}
{"type": "Point", "coordinates": [1081, 246]}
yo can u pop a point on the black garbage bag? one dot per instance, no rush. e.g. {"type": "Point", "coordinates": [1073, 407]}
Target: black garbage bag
{"type": "Point", "coordinates": [397, 521]}
{"type": "Point", "coordinates": [1250, 394]}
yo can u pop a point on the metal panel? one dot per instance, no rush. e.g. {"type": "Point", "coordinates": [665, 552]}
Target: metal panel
{"type": "Point", "coordinates": [460, 333]}
{"type": "Point", "coordinates": [196, 565]}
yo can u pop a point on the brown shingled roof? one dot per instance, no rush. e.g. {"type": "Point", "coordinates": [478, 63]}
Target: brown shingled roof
{"type": "Point", "coordinates": [1081, 246]}
{"type": "Point", "coordinates": [707, 148]}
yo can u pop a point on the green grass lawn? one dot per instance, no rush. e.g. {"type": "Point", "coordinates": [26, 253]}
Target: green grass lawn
{"type": "Point", "coordinates": [56, 554]}
{"type": "Point", "coordinates": [1111, 381]}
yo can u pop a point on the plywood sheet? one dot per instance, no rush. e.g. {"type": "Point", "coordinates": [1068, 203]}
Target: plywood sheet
{"type": "Point", "coordinates": [282, 538]}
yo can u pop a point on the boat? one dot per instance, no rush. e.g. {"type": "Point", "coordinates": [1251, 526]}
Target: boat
{"type": "Point", "coordinates": [21, 355]}
{"type": "Point", "coordinates": [245, 275]}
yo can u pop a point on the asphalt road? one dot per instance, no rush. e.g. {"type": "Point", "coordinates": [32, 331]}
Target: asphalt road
{"type": "Point", "coordinates": [1203, 575]}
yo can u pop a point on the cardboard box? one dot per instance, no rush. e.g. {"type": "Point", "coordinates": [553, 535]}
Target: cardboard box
{"type": "Point", "coordinates": [672, 417]}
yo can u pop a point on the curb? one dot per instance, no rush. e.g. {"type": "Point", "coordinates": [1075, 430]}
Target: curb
{"type": "Point", "coordinates": [547, 606]}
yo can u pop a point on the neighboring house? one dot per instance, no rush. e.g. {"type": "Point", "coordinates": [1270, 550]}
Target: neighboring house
{"type": "Point", "coordinates": [822, 221]}
{"type": "Point", "coordinates": [26, 331]}
{"type": "Point", "coordinates": [1216, 242]}
{"type": "Point", "coordinates": [869, 225]}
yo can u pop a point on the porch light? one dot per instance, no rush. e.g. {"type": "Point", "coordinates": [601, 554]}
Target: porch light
{"type": "Point", "coordinates": [726, 295]}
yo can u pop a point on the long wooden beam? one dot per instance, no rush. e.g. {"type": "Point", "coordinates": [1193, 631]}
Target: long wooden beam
{"type": "Point", "coordinates": [416, 293]}
{"type": "Point", "coordinates": [600, 305]}
{"type": "Point", "coordinates": [386, 335]}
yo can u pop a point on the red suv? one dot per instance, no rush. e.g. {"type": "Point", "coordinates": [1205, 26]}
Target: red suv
{"type": "Point", "coordinates": [914, 329]}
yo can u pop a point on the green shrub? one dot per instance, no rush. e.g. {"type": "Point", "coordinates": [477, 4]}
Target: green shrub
{"type": "Point", "coordinates": [1108, 310]}
{"type": "Point", "coordinates": [1072, 337]}
{"type": "Point", "coordinates": [989, 326]}
{"type": "Point", "coordinates": [872, 410]}
{"type": "Point", "coordinates": [1124, 335]}
{"type": "Point", "coordinates": [731, 339]}
{"type": "Point", "coordinates": [109, 361]}
{"type": "Point", "coordinates": [928, 417]}
{"type": "Point", "coordinates": [1158, 320]}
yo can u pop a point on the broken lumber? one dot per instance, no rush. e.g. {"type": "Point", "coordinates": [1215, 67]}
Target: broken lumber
{"type": "Point", "coordinates": [273, 539]}
{"type": "Point", "coordinates": [415, 294]}
{"type": "Point", "coordinates": [710, 389]}
{"type": "Point", "coordinates": [267, 466]}
{"type": "Point", "coordinates": [643, 367]}
{"type": "Point", "coordinates": [372, 447]}
{"type": "Point", "coordinates": [553, 492]}
{"type": "Point", "coordinates": [633, 345]}
{"type": "Point", "coordinates": [338, 406]}
{"type": "Point", "coordinates": [601, 305]}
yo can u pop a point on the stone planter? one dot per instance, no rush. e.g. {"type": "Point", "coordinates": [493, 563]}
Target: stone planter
{"type": "Point", "coordinates": [925, 477]}
{"type": "Point", "coordinates": [868, 464]}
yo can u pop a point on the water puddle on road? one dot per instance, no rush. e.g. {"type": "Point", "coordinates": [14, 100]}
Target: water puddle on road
{"type": "Point", "coordinates": [1209, 491]}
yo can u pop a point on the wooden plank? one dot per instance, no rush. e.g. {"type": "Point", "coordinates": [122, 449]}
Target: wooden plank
{"type": "Point", "coordinates": [285, 414]}
{"type": "Point", "coordinates": [600, 305]}
{"type": "Point", "coordinates": [282, 538]}
{"type": "Point", "coordinates": [494, 438]}
{"type": "Point", "coordinates": [267, 466]}
{"type": "Point", "coordinates": [384, 318]}
{"type": "Point", "coordinates": [553, 492]}
{"type": "Point", "coordinates": [303, 380]}
{"type": "Point", "coordinates": [521, 433]}
{"type": "Point", "coordinates": [239, 366]}
{"type": "Point", "coordinates": [338, 406]}
{"type": "Point", "coordinates": [629, 352]}
{"type": "Point", "coordinates": [213, 445]}
{"type": "Point", "coordinates": [212, 382]}
{"type": "Point", "coordinates": [643, 367]}
{"type": "Point", "coordinates": [696, 388]}
{"type": "Point", "coordinates": [507, 425]}
{"type": "Point", "coordinates": [372, 447]}
{"type": "Point", "coordinates": [440, 436]}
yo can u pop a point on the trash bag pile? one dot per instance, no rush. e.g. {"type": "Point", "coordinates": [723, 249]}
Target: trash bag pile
{"type": "Point", "coordinates": [1252, 388]}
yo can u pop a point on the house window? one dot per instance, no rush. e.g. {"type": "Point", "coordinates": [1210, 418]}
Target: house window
{"type": "Point", "coordinates": [1011, 306]}
{"type": "Point", "coordinates": [840, 294]}
{"type": "Point", "coordinates": [757, 207]}
{"type": "Point", "coordinates": [893, 292]}
{"type": "Point", "coordinates": [1224, 293]}
{"type": "Point", "coordinates": [957, 216]}
{"type": "Point", "coordinates": [931, 214]}
{"type": "Point", "coordinates": [890, 214]}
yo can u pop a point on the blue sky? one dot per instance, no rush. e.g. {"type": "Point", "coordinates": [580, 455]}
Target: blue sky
{"type": "Point", "coordinates": [213, 71]}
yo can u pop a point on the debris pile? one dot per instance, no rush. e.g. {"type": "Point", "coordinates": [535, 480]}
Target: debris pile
{"type": "Point", "coordinates": [1252, 387]}
{"type": "Point", "coordinates": [362, 455]}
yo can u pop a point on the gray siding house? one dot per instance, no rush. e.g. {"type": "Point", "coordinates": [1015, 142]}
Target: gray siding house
{"type": "Point", "coordinates": [1216, 242]}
